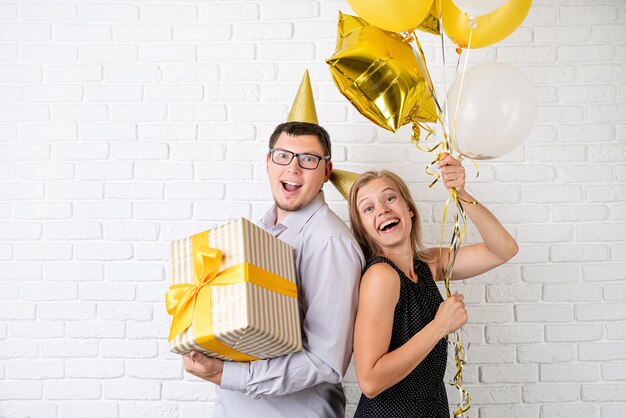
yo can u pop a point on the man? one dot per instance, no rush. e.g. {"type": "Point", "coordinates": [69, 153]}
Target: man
{"type": "Point", "coordinates": [328, 268]}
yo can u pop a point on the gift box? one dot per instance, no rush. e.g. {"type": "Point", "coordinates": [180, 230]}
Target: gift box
{"type": "Point", "coordinates": [233, 294]}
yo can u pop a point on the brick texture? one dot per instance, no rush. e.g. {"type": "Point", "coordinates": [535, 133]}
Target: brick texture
{"type": "Point", "coordinates": [127, 124]}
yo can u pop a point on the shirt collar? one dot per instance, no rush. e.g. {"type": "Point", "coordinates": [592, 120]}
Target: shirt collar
{"type": "Point", "coordinates": [295, 220]}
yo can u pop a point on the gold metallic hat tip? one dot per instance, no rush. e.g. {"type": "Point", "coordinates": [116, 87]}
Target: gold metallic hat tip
{"type": "Point", "coordinates": [303, 107]}
{"type": "Point", "coordinates": [343, 181]}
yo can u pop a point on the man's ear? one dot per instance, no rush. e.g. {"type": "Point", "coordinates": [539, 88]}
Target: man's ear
{"type": "Point", "coordinates": [267, 162]}
{"type": "Point", "coordinates": [329, 168]}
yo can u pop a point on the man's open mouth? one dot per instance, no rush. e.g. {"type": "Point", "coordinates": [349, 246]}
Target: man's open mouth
{"type": "Point", "coordinates": [290, 186]}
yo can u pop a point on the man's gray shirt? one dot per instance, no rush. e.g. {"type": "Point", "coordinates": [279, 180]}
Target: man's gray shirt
{"type": "Point", "coordinates": [307, 383]}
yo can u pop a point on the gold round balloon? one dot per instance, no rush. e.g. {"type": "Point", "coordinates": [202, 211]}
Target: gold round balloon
{"type": "Point", "coordinates": [489, 28]}
{"type": "Point", "coordinates": [381, 75]}
{"type": "Point", "coordinates": [392, 15]}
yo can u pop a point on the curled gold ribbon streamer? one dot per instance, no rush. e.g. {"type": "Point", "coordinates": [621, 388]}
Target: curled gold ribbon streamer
{"type": "Point", "coordinates": [458, 237]}
{"type": "Point", "coordinates": [446, 145]}
{"type": "Point", "coordinates": [183, 299]}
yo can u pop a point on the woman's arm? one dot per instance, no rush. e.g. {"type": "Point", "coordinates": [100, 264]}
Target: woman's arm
{"type": "Point", "coordinates": [498, 245]}
{"type": "Point", "coordinates": [377, 369]}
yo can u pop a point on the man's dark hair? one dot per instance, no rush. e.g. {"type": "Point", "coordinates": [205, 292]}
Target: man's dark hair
{"type": "Point", "coordinates": [302, 128]}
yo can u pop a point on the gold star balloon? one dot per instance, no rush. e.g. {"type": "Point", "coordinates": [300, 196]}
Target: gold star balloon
{"type": "Point", "coordinates": [431, 23]}
{"type": "Point", "coordinates": [381, 75]}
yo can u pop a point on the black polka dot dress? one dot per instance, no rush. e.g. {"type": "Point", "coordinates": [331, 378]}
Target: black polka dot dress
{"type": "Point", "coordinates": [422, 393]}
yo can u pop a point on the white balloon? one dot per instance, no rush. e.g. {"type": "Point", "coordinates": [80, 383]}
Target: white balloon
{"type": "Point", "coordinates": [475, 8]}
{"type": "Point", "coordinates": [496, 110]}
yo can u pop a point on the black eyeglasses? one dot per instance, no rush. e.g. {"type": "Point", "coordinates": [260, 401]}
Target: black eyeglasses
{"type": "Point", "coordinates": [306, 161]}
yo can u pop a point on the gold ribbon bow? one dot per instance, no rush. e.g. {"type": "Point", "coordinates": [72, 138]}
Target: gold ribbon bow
{"type": "Point", "coordinates": [182, 299]}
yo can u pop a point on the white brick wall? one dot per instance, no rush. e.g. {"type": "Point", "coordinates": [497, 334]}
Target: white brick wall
{"type": "Point", "coordinates": [124, 125]}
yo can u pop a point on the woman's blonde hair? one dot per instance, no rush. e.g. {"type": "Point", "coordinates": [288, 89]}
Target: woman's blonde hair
{"type": "Point", "coordinates": [369, 247]}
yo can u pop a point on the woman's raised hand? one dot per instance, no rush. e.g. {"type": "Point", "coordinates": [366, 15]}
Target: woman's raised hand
{"type": "Point", "coordinates": [452, 172]}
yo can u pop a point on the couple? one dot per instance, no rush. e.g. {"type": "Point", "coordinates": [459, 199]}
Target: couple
{"type": "Point", "coordinates": [401, 319]}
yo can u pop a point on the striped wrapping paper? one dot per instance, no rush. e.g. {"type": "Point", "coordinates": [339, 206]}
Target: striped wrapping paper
{"type": "Point", "coordinates": [247, 317]}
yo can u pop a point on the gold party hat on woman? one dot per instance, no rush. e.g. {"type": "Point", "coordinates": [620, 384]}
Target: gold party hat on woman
{"type": "Point", "coordinates": [343, 181]}
{"type": "Point", "coordinates": [303, 107]}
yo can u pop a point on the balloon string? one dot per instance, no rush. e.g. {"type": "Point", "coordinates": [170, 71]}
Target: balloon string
{"type": "Point", "coordinates": [444, 112]}
{"type": "Point", "coordinates": [458, 236]}
{"type": "Point", "coordinates": [443, 51]}
{"type": "Point", "coordinates": [459, 232]}
{"type": "Point", "coordinates": [460, 216]}
{"type": "Point", "coordinates": [418, 126]}
{"type": "Point", "coordinates": [429, 83]}
{"type": "Point", "coordinates": [458, 99]}
{"type": "Point", "coordinates": [415, 139]}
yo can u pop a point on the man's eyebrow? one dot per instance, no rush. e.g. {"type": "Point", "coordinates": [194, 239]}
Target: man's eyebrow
{"type": "Point", "coordinates": [313, 153]}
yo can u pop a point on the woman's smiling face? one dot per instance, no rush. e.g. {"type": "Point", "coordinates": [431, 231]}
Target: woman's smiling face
{"type": "Point", "coordinates": [385, 216]}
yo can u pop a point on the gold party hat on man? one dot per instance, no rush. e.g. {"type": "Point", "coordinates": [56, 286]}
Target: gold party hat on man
{"type": "Point", "coordinates": [343, 181]}
{"type": "Point", "coordinates": [303, 107]}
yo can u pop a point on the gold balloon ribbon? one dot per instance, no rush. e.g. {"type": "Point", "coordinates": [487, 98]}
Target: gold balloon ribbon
{"type": "Point", "coordinates": [446, 145]}
{"type": "Point", "coordinates": [184, 300]}
{"type": "Point", "coordinates": [458, 236]}
{"type": "Point", "coordinates": [456, 112]}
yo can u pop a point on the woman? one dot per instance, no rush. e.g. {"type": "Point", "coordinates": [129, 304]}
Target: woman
{"type": "Point", "coordinates": [400, 337]}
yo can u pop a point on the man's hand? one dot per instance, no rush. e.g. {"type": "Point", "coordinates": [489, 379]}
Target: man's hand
{"type": "Point", "coordinates": [204, 367]}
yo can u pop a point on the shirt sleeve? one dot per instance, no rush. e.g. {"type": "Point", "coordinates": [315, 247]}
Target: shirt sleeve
{"type": "Point", "coordinates": [330, 276]}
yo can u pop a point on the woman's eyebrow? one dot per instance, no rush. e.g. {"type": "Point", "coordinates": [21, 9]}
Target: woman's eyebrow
{"type": "Point", "coordinates": [382, 191]}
